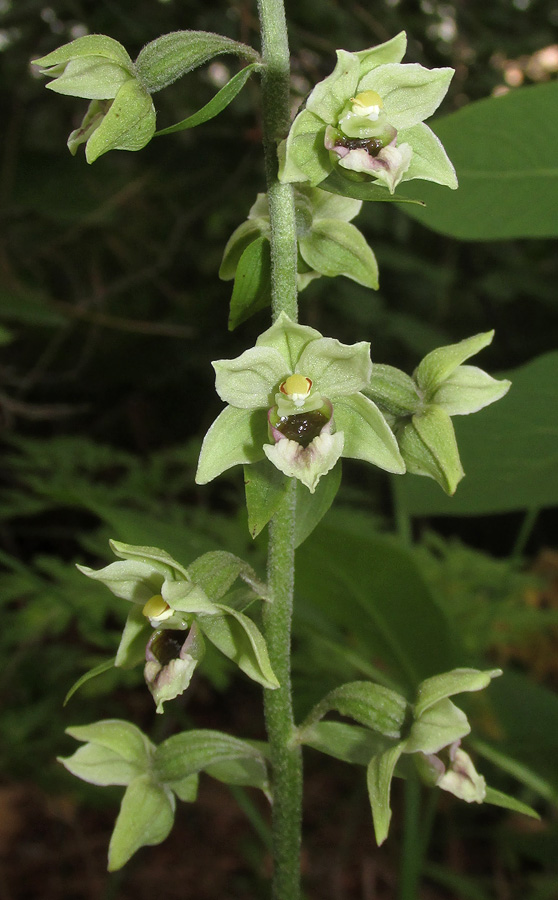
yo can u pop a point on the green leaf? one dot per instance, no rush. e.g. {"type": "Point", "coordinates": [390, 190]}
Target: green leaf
{"type": "Point", "coordinates": [146, 817]}
{"type": "Point", "coordinates": [498, 798]}
{"type": "Point", "coordinates": [349, 743]}
{"type": "Point", "coordinates": [265, 489]}
{"type": "Point", "coordinates": [191, 752]}
{"type": "Point", "coordinates": [172, 55]}
{"type": "Point", "coordinates": [338, 248]}
{"type": "Point", "coordinates": [235, 635]}
{"type": "Point", "coordinates": [240, 239]}
{"type": "Point", "coordinates": [508, 452]}
{"type": "Point", "coordinates": [378, 776]}
{"type": "Point", "coordinates": [458, 681]}
{"type": "Point", "coordinates": [503, 149]}
{"type": "Point", "coordinates": [311, 508]}
{"type": "Point", "coordinates": [252, 282]}
{"type": "Point", "coordinates": [87, 676]}
{"type": "Point", "coordinates": [337, 183]}
{"type": "Point", "coordinates": [217, 104]}
{"type": "Point", "coordinates": [372, 705]}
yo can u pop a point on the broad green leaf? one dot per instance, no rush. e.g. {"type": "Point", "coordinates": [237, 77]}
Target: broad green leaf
{"type": "Point", "coordinates": [349, 743]}
{"type": "Point", "coordinates": [146, 817]}
{"type": "Point", "coordinates": [503, 150]}
{"type": "Point", "coordinates": [508, 452]}
{"type": "Point", "coordinates": [338, 248]}
{"type": "Point", "coordinates": [172, 55]}
{"type": "Point", "coordinates": [239, 240]}
{"type": "Point", "coordinates": [235, 635]}
{"type": "Point", "coordinates": [265, 489]}
{"type": "Point", "coordinates": [311, 508]}
{"type": "Point", "coordinates": [252, 282]}
{"type": "Point", "coordinates": [372, 705]}
{"type": "Point", "coordinates": [337, 183]}
{"type": "Point", "coordinates": [191, 752]}
{"type": "Point", "coordinates": [379, 774]}
{"type": "Point", "coordinates": [87, 676]}
{"type": "Point", "coordinates": [216, 105]}
{"type": "Point", "coordinates": [458, 681]}
{"type": "Point", "coordinates": [498, 798]}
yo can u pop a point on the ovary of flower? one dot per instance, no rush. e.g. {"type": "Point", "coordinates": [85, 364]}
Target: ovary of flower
{"type": "Point", "coordinates": [367, 104]}
{"type": "Point", "coordinates": [157, 610]}
{"type": "Point", "coordinates": [296, 388]}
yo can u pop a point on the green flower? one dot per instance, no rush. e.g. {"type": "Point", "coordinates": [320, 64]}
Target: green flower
{"type": "Point", "coordinates": [296, 399]}
{"type": "Point", "coordinates": [420, 408]}
{"type": "Point", "coordinates": [121, 115]}
{"type": "Point", "coordinates": [175, 609]}
{"type": "Point", "coordinates": [367, 118]}
{"type": "Point", "coordinates": [328, 244]}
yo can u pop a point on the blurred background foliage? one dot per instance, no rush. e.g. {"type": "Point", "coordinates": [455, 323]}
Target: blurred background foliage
{"type": "Point", "coordinates": [110, 312]}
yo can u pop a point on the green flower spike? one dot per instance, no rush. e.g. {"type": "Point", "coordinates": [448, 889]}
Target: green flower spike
{"type": "Point", "coordinates": [121, 115]}
{"type": "Point", "coordinates": [367, 118]}
{"type": "Point", "coordinates": [175, 610]}
{"type": "Point", "coordinates": [420, 408]}
{"type": "Point", "coordinates": [296, 398]}
{"type": "Point", "coordinates": [328, 244]}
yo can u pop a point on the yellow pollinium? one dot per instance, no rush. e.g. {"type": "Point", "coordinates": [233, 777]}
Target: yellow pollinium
{"type": "Point", "coordinates": [155, 607]}
{"type": "Point", "coordinates": [296, 384]}
{"type": "Point", "coordinates": [366, 101]}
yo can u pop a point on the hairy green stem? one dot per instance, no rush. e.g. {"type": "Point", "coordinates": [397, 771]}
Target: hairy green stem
{"type": "Point", "coordinates": [286, 758]}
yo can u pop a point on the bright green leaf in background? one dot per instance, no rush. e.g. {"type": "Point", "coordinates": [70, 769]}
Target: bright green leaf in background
{"type": "Point", "coordinates": [504, 153]}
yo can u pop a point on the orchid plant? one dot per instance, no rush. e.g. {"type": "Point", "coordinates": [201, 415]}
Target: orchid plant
{"type": "Point", "coordinates": [296, 404]}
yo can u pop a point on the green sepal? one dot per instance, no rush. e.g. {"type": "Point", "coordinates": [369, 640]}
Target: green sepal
{"type": "Point", "coordinates": [132, 579]}
{"type": "Point", "coordinates": [89, 45]}
{"type": "Point", "coordinates": [217, 570]}
{"type": "Point", "coordinates": [349, 743]}
{"type": "Point", "coordinates": [338, 369]}
{"type": "Point", "coordinates": [303, 156]}
{"type": "Point", "coordinates": [90, 77]}
{"type": "Point", "coordinates": [288, 338]}
{"type": "Point", "coordinates": [440, 725]}
{"type": "Point", "coordinates": [393, 391]}
{"type": "Point", "coordinates": [252, 282]}
{"type": "Point", "coordinates": [235, 438]}
{"type": "Point", "coordinates": [410, 92]}
{"type": "Point", "coordinates": [265, 489]}
{"type": "Point", "coordinates": [250, 380]}
{"type": "Point", "coordinates": [391, 51]}
{"type": "Point", "coordinates": [158, 559]}
{"type": "Point", "coordinates": [87, 676]}
{"type": "Point", "coordinates": [192, 752]}
{"type": "Point", "coordinates": [167, 58]}
{"type": "Point", "coordinates": [429, 161]}
{"type": "Point", "coordinates": [338, 248]}
{"type": "Point", "coordinates": [378, 776]}
{"type": "Point", "coordinates": [438, 365]}
{"type": "Point", "coordinates": [369, 704]}
{"type": "Point", "coordinates": [458, 681]}
{"type": "Point", "coordinates": [239, 639]}
{"type": "Point", "coordinates": [469, 389]}
{"type": "Point", "coordinates": [129, 123]}
{"type": "Point", "coordinates": [188, 598]}
{"type": "Point", "coordinates": [429, 448]}
{"type": "Point", "coordinates": [115, 752]}
{"type": "Point", "coordinates": [367, 434]}
{"type": "Point", "coordinates": [187, 788]}
{"type": "Point", "coordinates": [216, 105]}
{"type": "Point", "coordinates": [146, 817]}
{"type": "Point", "coordinates": [135, 636]}
{"type": "Point", "coordinates": [240, 239]}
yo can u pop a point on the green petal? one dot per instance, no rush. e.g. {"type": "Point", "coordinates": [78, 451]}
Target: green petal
{"type": "Point", "coordinates": [251, 380]}
{"type": "Point", "coordinates": [336, 369]}
{"type": "Point", "coordinates": [469, 389]}
{"type": "Point", "coordinates": [288, 338]}
{"type": "Point", "coordinates": [93, 78]}
{"type": "Point", "coordinates": [439, 726]}
{"type": "Point", "coordinates": [235, 438]}
{"type": "Point", "coordinates": [330, 95]}
{"type": "Point", "coordinates": [303, 156]}
{"type": "Point", "coordinates": [367, 434]}
{"type": "Point", "coordinates": [429, 160]}
{"type": "Point", "coordinates": [128, 125]}
{"type": "Point", "coordinates": [410, 93]}
{"type": "Point", "coordinates": [338, 248]}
